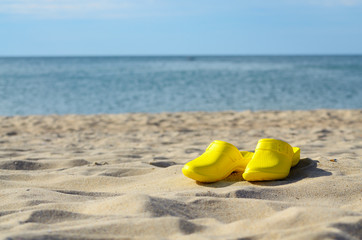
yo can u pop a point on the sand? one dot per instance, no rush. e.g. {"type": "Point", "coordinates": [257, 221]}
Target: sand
{"type": "Point", "coordinates": [119, 177]}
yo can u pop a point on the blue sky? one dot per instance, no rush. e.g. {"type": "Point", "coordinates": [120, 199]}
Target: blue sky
{"type": "Point", "coordinates": [185, 27]}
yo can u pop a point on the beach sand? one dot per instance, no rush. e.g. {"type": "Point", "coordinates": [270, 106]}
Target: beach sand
{"type": "Point", "coordinates": [119, 177]}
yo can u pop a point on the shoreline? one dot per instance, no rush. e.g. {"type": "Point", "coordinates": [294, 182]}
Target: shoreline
{"type": "Point", "coordinates": [187, 112]}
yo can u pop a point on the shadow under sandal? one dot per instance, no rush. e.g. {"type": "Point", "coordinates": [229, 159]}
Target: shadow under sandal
{"type": "Point", "coordinates": [272, 160]}
{"type": "Point", "coordinates": [218, 161]}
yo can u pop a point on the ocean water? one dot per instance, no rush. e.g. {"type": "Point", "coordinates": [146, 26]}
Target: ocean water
{"type": "Point", "coordinates": [93, 85]}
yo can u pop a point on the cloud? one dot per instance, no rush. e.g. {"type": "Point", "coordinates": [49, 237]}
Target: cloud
{"type": "Point", "coordinates": [329, 3]}
{"type": "Point", "coordinates": [95, 9]}
{"type": "Point", "coordinates": [72, 8]}
{"type": "Point", "coordinates": [347, 2]}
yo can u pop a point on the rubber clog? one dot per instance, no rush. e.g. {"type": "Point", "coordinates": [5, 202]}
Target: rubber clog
{"type": "Point", "coordinates": [272, 160]}
{"type": "Point", "coordinates": [218, 161]}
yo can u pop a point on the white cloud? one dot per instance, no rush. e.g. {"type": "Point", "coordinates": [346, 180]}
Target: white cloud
{"type": "Point", "coordinates": [348, 2]}
{"type": "Point", "coordinates": [95, 9]}
{"type": "Point", "coordinates": [72, 8]}
{"type": "Point", "coordinates": [328, 3]}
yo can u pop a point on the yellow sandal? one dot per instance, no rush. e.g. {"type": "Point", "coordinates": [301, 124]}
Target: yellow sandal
{"type": "Point", "coordinates": [218, 161]}
{"type": "Point", "coordinates": [272, 160]}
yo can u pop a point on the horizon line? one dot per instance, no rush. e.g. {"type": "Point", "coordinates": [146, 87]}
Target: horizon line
{"type": "Point", "coordinates": [178, 55]}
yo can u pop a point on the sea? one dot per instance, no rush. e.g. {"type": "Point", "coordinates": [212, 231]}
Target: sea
{"type": "Point", "coordinates": [153, 84]}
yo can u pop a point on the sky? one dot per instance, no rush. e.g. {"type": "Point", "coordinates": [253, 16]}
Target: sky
{"type": "Point", "coordinates": [179, 27]}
